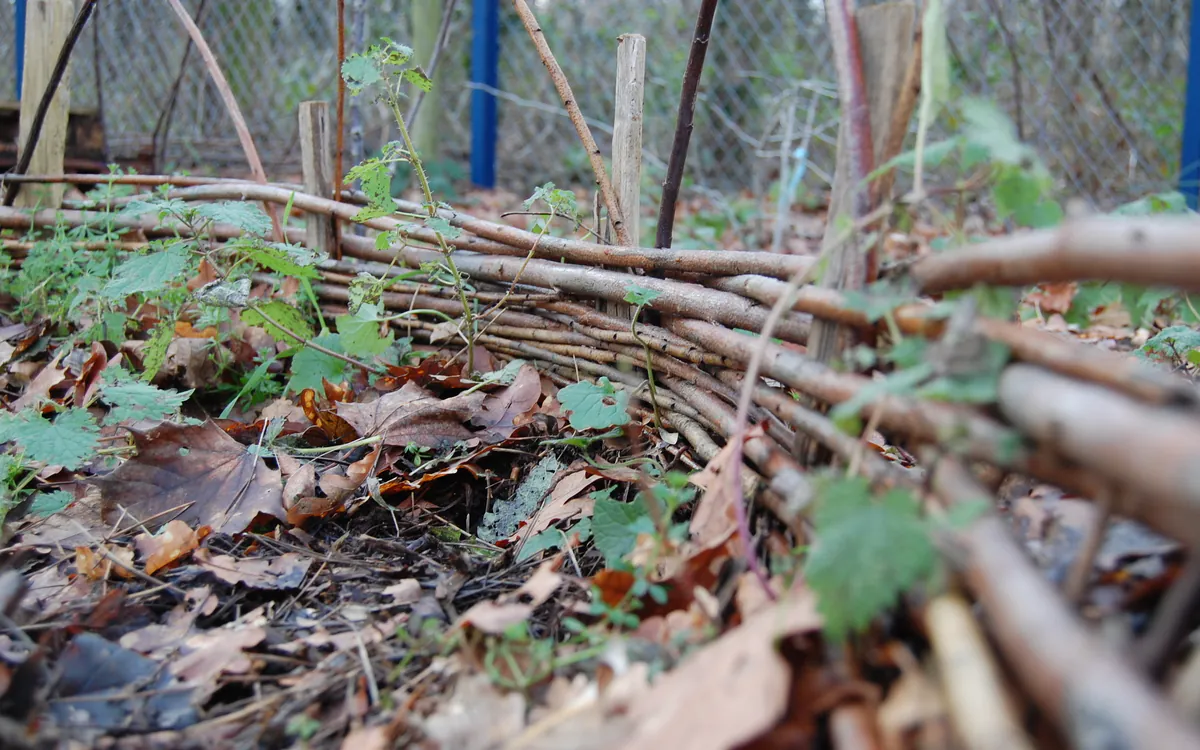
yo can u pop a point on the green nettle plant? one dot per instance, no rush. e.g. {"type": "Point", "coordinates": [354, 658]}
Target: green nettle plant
{"type": "Point", "coordinates": [387, 68]}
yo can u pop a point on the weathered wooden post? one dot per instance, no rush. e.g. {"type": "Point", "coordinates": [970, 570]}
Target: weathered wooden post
{"type": "Point", "coordinates": [885, 34]}
{"type": "Point", "coordinates": [627, 143]}
{"type": "Point", "coordinates": [316, 164]}
{"type": "Point", "coordinates": [47, 24]}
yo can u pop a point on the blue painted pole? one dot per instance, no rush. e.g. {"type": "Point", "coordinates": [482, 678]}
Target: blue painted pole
{"type": "Point", "coordinates": [1189, 167]}
{"type": "Point", "coordinates": [20, 45]}
{"type": "Point", "coordinates": [485, 66]}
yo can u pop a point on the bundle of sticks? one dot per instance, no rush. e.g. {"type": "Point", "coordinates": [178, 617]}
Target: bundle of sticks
{"type": "Point", "coordinates": [1094, 422]}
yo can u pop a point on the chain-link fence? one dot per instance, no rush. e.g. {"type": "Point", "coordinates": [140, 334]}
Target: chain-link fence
{"type": "Point", "coordinates": [1096, 85]}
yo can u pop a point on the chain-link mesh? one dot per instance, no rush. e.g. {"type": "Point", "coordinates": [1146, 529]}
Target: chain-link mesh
{"type": "Point", "coordinates": [1096, 85]}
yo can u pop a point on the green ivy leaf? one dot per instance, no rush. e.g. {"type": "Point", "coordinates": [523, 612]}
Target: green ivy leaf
{"type": "Point", "coordinates": [595, 406]}
{"type": "Point", "coordinates": [68, 441]}
{"type": "Point", "coordinates": [616, 526]}
{"type": "Point", "coordinates": [46, 504]}
{"type": "Point", "coordinates": [867, 553]}
{"type": "Point", "coordinates": [152, 272]}
{"type": "Point", "coordinates": [309, 366]}
{"type": "Point", "coordinates": [282, 313]}
{"type": "Point", "coordinates": [245, 216]}
{"type": "Point", "coordinates": [154, 354]}
{"type": "Point", "coordinates": [133, 400]}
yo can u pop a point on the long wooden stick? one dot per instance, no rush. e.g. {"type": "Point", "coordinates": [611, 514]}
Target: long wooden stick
{"type": "Point", "coordinates": [607, 194]}
{"type": "Point", "coordinates": [684, 123]}
{"type": "Point", "coordinates": [231, 105]}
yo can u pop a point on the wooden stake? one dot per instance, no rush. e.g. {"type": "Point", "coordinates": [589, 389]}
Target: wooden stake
{"type": "Point", "coordinates": [885, 36]}
{"type": "Point", "coordinates": [46, 28]}
{"type": "Point", "coordinates": [627, 144]}
{"type": "Point", "coordinates": [317, 167]}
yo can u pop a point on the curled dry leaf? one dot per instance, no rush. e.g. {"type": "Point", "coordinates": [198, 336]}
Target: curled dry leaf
{"type": "Point", "coordinates": [501, 411]}
{"type": "Point", "coordinates": [174, 541]}
{"type": "Point", "coordinates": [97, 566]}
{"type": "Point", "coordinates": [731, 690]}
{"type": "Point", "coordinates": [413, 415]}
{"type": "Point", "coordinates": [496, 616]}
{"type": "Point", "coordinates": [284, 572]}
{"type": "Point", "coordinates": [39, 388]}
{"type": "Point", "coordinates": [196, 474]}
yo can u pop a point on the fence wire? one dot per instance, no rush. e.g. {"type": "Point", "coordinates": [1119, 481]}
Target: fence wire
{"type": "Point", "coordinates": [1097, 86]}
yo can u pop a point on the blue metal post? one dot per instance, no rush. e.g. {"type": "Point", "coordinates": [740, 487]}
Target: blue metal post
{"type": "Point", "coordinates": [1189, 167]}
{"type": "Point", "coordinates": [20, 45]}
{"type": "Point", "coordinates": [485, 65]}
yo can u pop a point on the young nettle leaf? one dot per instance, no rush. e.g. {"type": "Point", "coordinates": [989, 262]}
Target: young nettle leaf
{"type": "Point", "coordinates": [560, 202]}
{"type": "Point", "coordinates": [147, 273]}
{"type": "Point", "coordinates": [46, 504]}
{"type": "Point", "coordinates": [245, 216]}
{"type": "Point", "coordinates": [1171, 345]}
{"type": "Point", "coordinates": [443, 227]}
{"type": "Point", "coordinates": [640, 296]}
{"type": "Point", "coordinates": [1142, 303]}
{"type": "Point", "coordinates": [133, 400]}
{"type": "Point", "coordinates": [595, 406]}
{"type": "Point", "coordinates": [281, 314]}
{"type": "Point", "coordinates": [289, 260]}
{"type": "Point", "coordinates": [310, 366]}
{"type": "Point", "coordinates": [154, 354]}
{"type": "Point", "coordinates": [987, 126]}
{"type": "Point", "coordinates": [616, 526]}
{"type": "Point", "coordinates": [867, 553]}
{"type": "Point", "coordinates": [164, 208]}
{"type": "Point", "coordinates": [418, 78]}
{"type": "Point", "coordinates": [360, 333]}
{"type": "Point", "coordinates": [68, 441]}
{"type": "Point", "coordinates": [376, 182]}
{"type": "Point", "coordinates": [360, 71]}
{"type": "Point", "coordinates": [363, 289]}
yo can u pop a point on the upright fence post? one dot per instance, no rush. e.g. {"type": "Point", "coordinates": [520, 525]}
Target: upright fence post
{"type": "Point", "coordinates": [1189, 160]}
{"type": "Point", "coordinates": [316, 164]}
{"type": "Point", "coordinates": [49, 24]}
{"type": "Point", "coordinates": [20, 45]}
{"type": "Point", "coordinates": [485, 64]}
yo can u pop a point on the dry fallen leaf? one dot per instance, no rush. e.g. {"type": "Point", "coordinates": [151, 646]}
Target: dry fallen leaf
{"type": "Point", "coordinates": [500, 410]}
{"type": "Point", "coordinates": [173, 541]}
{"type": "Point", "coordinates": [413, 415]}
{"type": "Point", "coordinates": [284, 572]}
{"type": "Point", "coordinates": [196, 474]}
{"type": "Point", "coordinates": [477, 717]}
{"type": "Point", "coordinates": [496, 616]}
{"type": "Point", "coordinates": [729, 691]}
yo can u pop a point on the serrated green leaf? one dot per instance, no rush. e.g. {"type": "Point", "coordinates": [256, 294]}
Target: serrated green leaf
{"type": "Point", "coordinates": [616, 526]}
{"type": "Point", "coordinates": [360, 334]}
{"type": "Point", "coordinates": [280, 313]}
{"type": "Point", "coordinates": [1171, 344]}
{"type": "Point", "coordinates": [867, 553]}
{"type": "Point", "coordinates": [443, 227]}
{"type": "Point", "coordinates": [147, 273]}
{"type": "Point", "coordinates": [154, 354]}
{"type": "Point", "coordinates": [1142, 303]}
{"type": "Point", "coordinates": [279, 260]}
{"type": "Point", "coordinates": [309, 366]}
{"type": "Point", "coordinates": [897, 383]}
{"type": "Point", "coordinates": [595, 406]}
{"type": "Point", "coordinates": [245, 216]}
{"type": "Point", "coordinates": [68, 441]}
{"type": "Point", "coordinates": [640, 295]}
{"type": "Point", "coordinates": [131, 401]}
{"type": "Point", "coordinates": [46, 504]}
{"type": "Point", "coordinates": [360, 71]}
{"type": "Point", "coordinates": [417, 78]}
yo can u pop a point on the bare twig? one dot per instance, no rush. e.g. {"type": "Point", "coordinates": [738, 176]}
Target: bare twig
{"type": "Point", "coordinates": [231, 105]}
{"type": "Point", "coordinates": [340, 147]}
{"type": "Point", "coordinates": [162, 126]}
{"type": "Point", "coordinates": [684, 123]}
{"type": "Point", "coordinates": [39, 116]}
{"type": "Point", "coordinates": [607, 194]}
